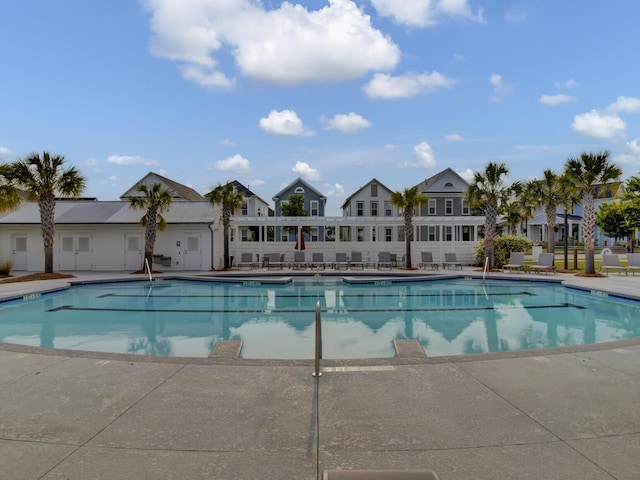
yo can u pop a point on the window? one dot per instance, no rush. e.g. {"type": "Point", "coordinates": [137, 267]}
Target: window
{"type": "Point", "coordinates": [387, 209]}
{"type": "Point", "coordinates": [432, 207]}
{"type": "Point", "coordinates": [374, 209]}
{"type": "Point", "coordinates": [359, 209]}
{"type": "Point", "coordinates": [299, 190]}
{"type": "Point", "coordinates": [465, 207]}
{"type": "Point", "coordinates": [467, 233]}
{"type": "Point", "coordinates": [432, 233]}
{"type": "Point", "coordinates": [448, 233]}
{"type": "Point", "coordinates": [314, 208]}
{"type": "Point", "coordinates": [374, 189]}
{"type": "Point", "coordinates": [448, 185]}
{"type": "Point", "coordinates": [314, 234]}
{"type": "Point", "coordinates": [246, 235]}
{"type": "Point", "coordinates": [448, 206]}
{"type": "Point", "coordinates": [360, 234]}
{"type": "Point", "coordinates": [374, 231]}
{"type": "Point", "coordinates": [245, 208]}
{"type": "Point", "coordinates": [388, 235]}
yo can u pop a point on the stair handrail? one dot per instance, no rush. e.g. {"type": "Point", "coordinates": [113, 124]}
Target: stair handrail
{"type": "Point", "coordinates": [318, 343]}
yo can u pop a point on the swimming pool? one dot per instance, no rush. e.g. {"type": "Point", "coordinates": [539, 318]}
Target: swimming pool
{"type": "Point", "coordinates": [447, 317]}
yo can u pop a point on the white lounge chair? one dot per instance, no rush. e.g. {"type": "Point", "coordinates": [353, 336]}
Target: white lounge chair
{"type": "Point", "coordinates": [246, 260]}
{"type": "Point", "coordinates": [516, 262]}
{"type": "Point", "coordinates": [427, 261]}
{"type": "Point", "coordinates": [317, 260]}
{"type": "Point", "coordinates": [546, 263]}
{"type": "Point", "coordinates": [610, 261]}
{"type": "Point", "coordinates": [451, 261]}
{"type": "Point", "coordinates": [341, 261]}
{"type": "Point", "coordinates": [275, 260]}
{"type": "Point", "coordinates": [299, 260]}
{"type": "Point", "coordinates": [633, 262]}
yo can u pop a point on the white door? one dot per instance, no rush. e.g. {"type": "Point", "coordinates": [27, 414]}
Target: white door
{"type": "Point", "coordinates": [133, 248]}
{"type": "Point", "coordinates": [19, 252]}
{"type": "Point", "coordinates": [192, 252]}
{"type": "Point", "coordinates": [75, 252]}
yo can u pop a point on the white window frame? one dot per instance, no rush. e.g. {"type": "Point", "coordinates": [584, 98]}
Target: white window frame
{"type": "Point", "coordinates": [448, 206]}
{"type": "Point", "coordinates": [374, 211]}
{"type": "Point", "coordinates": [360, 208]}
{"type": "Point", "coordinates": [388, 209]}
{"type": "Point", "coordinates": [431, 209]}
{"type": "Point", "coordinates": [465, 207]}
{"type": "Point", "coordinates": [314, 205]}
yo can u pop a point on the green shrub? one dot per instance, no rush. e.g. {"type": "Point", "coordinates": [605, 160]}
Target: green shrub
{"type": "Point", "coordinates": [5, 268]}
{"type": "Point", "coordinates": [502, 248]}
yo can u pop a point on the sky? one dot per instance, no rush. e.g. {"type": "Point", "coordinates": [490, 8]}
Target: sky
{"type": "Point", "coordinates": [335, 92]}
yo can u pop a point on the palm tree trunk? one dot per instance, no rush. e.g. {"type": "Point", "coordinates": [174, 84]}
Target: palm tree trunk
{"type": "Point", "coordinates": [588, 231]}
{"type": "Point", "coordinates": [47, 205]}
{"type": "Point", "coordinates": [150, 236]}
{"type": "Point", "coordinates": [226, 223]}
{"type": "Point", "coordinates": [408, 233]}
{"type": "Point", "coordinates": [491, 214]}
{"type": "Point", "coordinates": [551, 225]}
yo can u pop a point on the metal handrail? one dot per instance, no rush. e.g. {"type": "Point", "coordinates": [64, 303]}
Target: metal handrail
{"type": "Point", "coordinates": [318, 352]}
{"type": "Point", "coordinates": [486, 265]}
{"type": "Point", "coordinates": [148, 269]}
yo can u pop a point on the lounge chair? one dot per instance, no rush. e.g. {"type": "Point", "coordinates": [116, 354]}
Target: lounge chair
{"type": "Point", "coordinates": [427, 261]}
{"type": "Point", "coordinates": [451, 261]}
{"type": "Point", "coordinates": [633, 262]}
{"type": "Point", "coordinates": [299, 260]}
{"type": "Point", "coordinates": [341, 261]}
{"type": "Point", "coordinates": [610, 261]}
{"type": "Point", "coordinates": [274, 260]}
{"type": "Point", "coordinates": [384, 260]}
{"type": "Point", "coordinates": [317, 260]}
{"type": "Point", "coordinates": [356, 260]}
{"type": "Point", "coordinates": [546, 263]}
{"type": "Point", "coordinates": [246, 260]}
{"type": "Point", "coordinates": [516, 262]}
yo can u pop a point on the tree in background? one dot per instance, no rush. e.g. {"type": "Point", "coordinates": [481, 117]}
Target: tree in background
{"type": "Point", "coordinates": [44, 178]}
{"type": "Point", "coordinates": [611, 218]}
{"type": "Point", "coordinates": [155, 200]}
{"type": "Point", "coordinates": [548, 193]}
{"type": "Point", "coordinates": [230, 200]}
{"type": "Point", "coordinates": [407, 201]}
{"type": "Point", "coordinates": [486, 193]}
{"type": "Point", "coordinates": [293, 207]}
{"type": "Point", "coordinates": [586, 173]}
{"type": "Point", "coordinates": [10, 197]}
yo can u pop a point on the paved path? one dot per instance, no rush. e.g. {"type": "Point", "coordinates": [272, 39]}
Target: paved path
{"type": "Point", "coordinates": [546, 415]}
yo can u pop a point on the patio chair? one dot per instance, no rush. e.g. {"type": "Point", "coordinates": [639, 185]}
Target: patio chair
{"type": "Point", "coordinates": [427, 261]}
{"type": "Point", "coordinates": [451, 261]}
{"type": "Point", "coordinates": [246, 261]}
{"type": "Point", "coordinates": [299, 260]}
{"type": "Point", "coordinates": [633, 262]}
{"type": "Point", "coordinates": [610, 261]}
{"type": "Point", "coordinates": [546, 263]}
{"type": "Point", "coordinates": [317, 260]}
{"type": "Point", "coordinates": [516, 262]}
{"type": "Point", "coordinates": [341, 261]}
{"type": "Point", "coordinates": [384, 260]}
{"type": "Point", "coordinates": [274, 260]}
{"type": "Point", "coordinates": [356, 260]}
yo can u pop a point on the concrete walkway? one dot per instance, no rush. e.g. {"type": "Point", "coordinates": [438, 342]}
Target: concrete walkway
{"type": "Point", "coordinates": [562, 414]}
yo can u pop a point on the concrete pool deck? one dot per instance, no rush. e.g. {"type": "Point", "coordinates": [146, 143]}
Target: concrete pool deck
{"type": "Point", "coordinates": [558, 414]}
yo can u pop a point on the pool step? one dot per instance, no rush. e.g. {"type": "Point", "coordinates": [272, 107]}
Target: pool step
{"type": "Point", "coordinates": [226, 349]}
{"type": "Point", "coordinates": [409, 348]}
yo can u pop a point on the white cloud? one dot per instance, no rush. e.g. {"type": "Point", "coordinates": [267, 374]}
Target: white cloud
{"type": "Point", "coordinates": [500, 89]}
{"type": "Point", "coordinates": [407, 85]}
{"type": "Point", "coordinates": [333, 189]}
{"type": "Point", "coordinates": [631, 154]}
{"type": "Point", "coordinates": [466, 173]}
{"type": "Point", "coordinates": [92, 162]}
{"type": "Point", "coordinates": [426, 13]}
{"type": "Point", "coordinates": [237, 163]}
{"type": "Point", "coordinates": [289, 44]}
{"type": "Point", "coordinates": [556, 99]}
{"type": "Point", "coordinates": [423, 157]}
{"type": "Point", "coordinates": [286, 123]}
{"type": "Point", "coordinates": [453, 137]}
{"type": "Point", "coordinates": [625, 104]}
{"type": "Point", "coordinates": [567, 84]}
{"type": "Point", "coordinates": [390, 147]}
{"type": "Point", "coordinates": [349, 123]}
{"type": "Point", "coordinates": [516, 16]}
{"type": "Point", "coordinates": [256, 183]}
{"type": "Point", "coordinates": [599, 125]}
{"type": "Point", "coordinates": [306, 171]}
{"type": "Point", "coordinates": [130, 160]}
{"type": "Point", "coordinates": [226, 143]}
{"type": "Point", "coordinates": [4, 151]}
{"type": "Point", "coordinates": [112, 178]}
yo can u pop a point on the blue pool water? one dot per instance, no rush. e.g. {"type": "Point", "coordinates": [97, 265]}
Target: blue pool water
{"type": "Point", "coordinates": [187, 318]}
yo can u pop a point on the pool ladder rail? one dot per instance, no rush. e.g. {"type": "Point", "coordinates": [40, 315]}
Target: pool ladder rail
{"type": "Point", "coordinates": [318, 343]}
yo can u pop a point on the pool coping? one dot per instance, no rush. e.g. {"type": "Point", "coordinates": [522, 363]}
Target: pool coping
{"type": "Point", "coordinates": [37, 288]}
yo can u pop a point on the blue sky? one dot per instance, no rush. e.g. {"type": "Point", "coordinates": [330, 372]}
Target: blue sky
{"type": "Point", "coordinates": [336, 92]}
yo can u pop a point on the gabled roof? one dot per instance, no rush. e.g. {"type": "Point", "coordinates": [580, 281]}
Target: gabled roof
{"type": "Point", "coordinates": [178, 190]}
{"type": "Point", "coordinates": [373, 180]}
{"type": "Point", "coordinates": [295, 182]}
{"type": "Point", "coordinates": [610, 190]}
{"type": "Point", "coordinates": [432, 183]}
{"type": "Point", "coordinates": [247, 193]}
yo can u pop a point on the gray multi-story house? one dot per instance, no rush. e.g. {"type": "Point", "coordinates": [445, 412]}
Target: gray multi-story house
{"type": "Point", "coordinates": [314, 205]}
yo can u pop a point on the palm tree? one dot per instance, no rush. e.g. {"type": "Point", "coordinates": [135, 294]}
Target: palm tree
{"type": "Point", "coordinates": [43, 178]}
{"type": "Point", "coordinates": [486, 193]}
{"type": "Point", "coordinates": [230, 199]}
{"type": "Point", "coordinates": [512, 208]}
{"type": "Point", "coordinates": [586, 172]}
{"type": "Point", "coordinates": [155, 200]}
{"type": "Point", "coordinates": [10, 197]}
{"type": "Point", "coordinates": [549, 192]}
{"type": "Point", "coordinates": [526, 203]}
{"type": "Point", "coordinates": [406, 201]}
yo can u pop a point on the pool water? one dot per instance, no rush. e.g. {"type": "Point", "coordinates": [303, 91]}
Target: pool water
{"type": "Point", "coordinates": [187, 318]}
